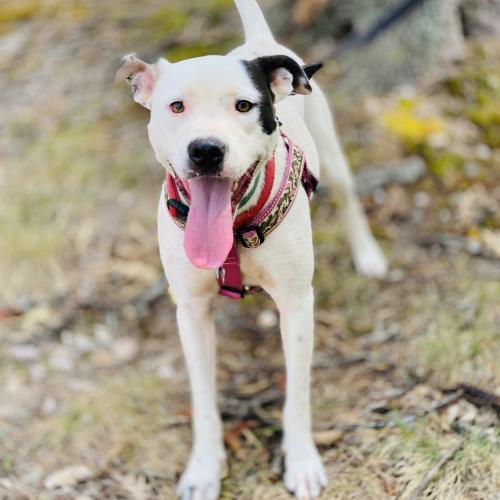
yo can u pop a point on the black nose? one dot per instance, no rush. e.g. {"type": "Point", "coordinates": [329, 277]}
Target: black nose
{"type": "Point", "coordinates": [207, 155]}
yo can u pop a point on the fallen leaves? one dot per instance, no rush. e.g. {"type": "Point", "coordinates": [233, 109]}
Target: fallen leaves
{"type": "Point", "coordinates": [328, 438]}
{"type": "Point", "coordinates": [491, 242]}
{"type": "Point", "coordinates": [412, 122]}
{"type": "Point", "coordinates": [68, 476]}
{"type": "Point", "coordinates": [472, 206]}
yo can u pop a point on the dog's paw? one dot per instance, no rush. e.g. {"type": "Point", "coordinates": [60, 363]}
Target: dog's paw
{"type": "Point", "coordinates": [201, 479]}
{"type": "Point", "coordinates": [370, 261]}
{"type": "Point", "coordinates": [305, 475]}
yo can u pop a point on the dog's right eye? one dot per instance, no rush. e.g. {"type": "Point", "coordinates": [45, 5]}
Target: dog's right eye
{"type": "Point", "coordinates": [244, 106]}
{"type": "Point", "coordinates": [177, 107]}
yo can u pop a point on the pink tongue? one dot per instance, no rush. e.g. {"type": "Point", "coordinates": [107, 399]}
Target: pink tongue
{"type": "Point", "coordinates": [209, 227]}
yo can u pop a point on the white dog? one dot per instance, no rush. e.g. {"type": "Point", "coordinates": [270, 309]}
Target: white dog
{"type": "Point", "coordinates": [215, 127]}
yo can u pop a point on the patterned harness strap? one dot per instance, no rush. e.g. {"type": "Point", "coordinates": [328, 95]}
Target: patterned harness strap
{"type": "Point", "coordinates": [267, 220]}
{"type": "Point", "coordinates": [252, 226]}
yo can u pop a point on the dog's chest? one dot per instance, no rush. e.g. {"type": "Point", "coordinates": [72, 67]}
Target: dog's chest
{"type": "Point", "coordinates": [255, 271]}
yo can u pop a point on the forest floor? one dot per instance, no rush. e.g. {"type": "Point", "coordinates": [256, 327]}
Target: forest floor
{"type": "Point", "coordinates": [94, 398]}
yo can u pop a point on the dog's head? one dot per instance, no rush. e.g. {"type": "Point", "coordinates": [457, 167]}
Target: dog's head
{"type": "Point", "coordinates": [211, 119]}
{"type": "Point", "coordinates": [213, 115]}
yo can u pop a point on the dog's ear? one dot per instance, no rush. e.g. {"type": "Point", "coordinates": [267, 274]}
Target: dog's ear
{"type": "Point", "coordinates": [284, 76]}
{"type": "Point", "coordinates": [310, 69]}
{"type": "Point", "coordinates": [141, 75]}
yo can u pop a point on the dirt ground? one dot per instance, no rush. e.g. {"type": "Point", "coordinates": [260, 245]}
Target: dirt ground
{"type": "Point", "coordinates": [94, 399]}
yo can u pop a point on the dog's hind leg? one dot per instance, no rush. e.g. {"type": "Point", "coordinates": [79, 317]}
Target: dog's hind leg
{"type": "Point", "coordinates": [367, 255]}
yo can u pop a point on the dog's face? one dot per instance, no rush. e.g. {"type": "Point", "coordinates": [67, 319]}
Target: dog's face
{"type": "Point", "coordinates": [213, 115]}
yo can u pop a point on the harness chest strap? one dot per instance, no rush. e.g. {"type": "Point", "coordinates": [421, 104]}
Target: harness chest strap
{"type": "Point", "coordinates": [253, 225]}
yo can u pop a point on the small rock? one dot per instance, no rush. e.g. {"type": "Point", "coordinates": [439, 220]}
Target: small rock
{"type": "Point", "coordinates": [422, 199]}
{"type": "Point", "coordinates": [39, 317]}
{"type": "Point", "coordinates": [102, 335]}
{"type": "Point", "coordinates": [33, 475]}
{"type": "Point", "coordinates": [267, 319]}
{"type": "Point", "coordinates": [62, 359]}
{"type": "Point", "coordinates": [445, 215]}
{"type": "Point", "coordinates": [439, 140]}
{"type": "Point", "coordinates": [462, 411]}
{"type": "Point", "coordinates": [69, 476]}
{"type": "Point", "coordinates": [102, 358]}
{"type": "Point", "coordinates": [6, 483]}
{"type": "Point", "coordinates": [473, 246]}
{"type": "Point", "coordinates": [49, 406]}
{"type": "Point", "coordinates": [25, 352]}
{"type": "Point", "coordinates": [378, 196]}
{"type": "Point", "coordinates": [491, 241]}
{"type": "Point", "coordinates": [483, 152]}
{"type": "Point", "coordinates": [166, 372]}
{"type": "Point", "coordinates": [125, 349]}
{"type": "Point", "coordinates": [38, 372]}
{"type": "Point", "coordinates": [471, 169]}
{"type": "Point", "coordinates": [77, 341]}
{"type": "Point", "coordinates": [472, 206]}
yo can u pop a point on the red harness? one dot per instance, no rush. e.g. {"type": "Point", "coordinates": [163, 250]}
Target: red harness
{"type": "Point", "coordinates": [250, 226]}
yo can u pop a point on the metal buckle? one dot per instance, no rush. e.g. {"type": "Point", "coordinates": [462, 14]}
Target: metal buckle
{"type": "Point", "coordinates": [220, 275]}
{"type": "Point", "coordinates": [179, 207]}
{"type": "Point", "coordinates": [239, 235]}
{"type": "Point", "coordinates": [233, 292]}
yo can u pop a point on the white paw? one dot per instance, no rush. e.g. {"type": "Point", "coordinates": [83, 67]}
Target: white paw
{"type": "Point", "coordinates": [305, 475]}
{"type": "Point", "coordinates": [369, 260]}
{"type": "Point", "coordinates": [201, 479]}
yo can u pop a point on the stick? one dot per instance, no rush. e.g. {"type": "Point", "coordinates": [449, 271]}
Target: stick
{"type": "Point", "coordinates": [431, 475]}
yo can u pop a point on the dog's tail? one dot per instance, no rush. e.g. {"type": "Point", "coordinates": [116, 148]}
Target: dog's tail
{"type": "Point", "coordinates": [254, 22]}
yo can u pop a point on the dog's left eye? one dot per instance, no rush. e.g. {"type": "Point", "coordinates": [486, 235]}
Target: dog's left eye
{"type": "Point", "coordinates": [177, 106]}
{"type": "Point", "coordinates": [244, 106]}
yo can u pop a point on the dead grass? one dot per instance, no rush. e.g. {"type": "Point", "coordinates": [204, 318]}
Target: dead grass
{"type": "Point", "coordinates": [130, 416]}
{"type": "Point", "coordinates": [464, 343]}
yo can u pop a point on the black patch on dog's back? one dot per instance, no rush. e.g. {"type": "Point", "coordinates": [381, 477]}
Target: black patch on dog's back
{"type": "Point", "coordinates": [266, 105]}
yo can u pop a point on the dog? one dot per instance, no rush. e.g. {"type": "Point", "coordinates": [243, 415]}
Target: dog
{"type": "Point", "coordinates": [215, 121]}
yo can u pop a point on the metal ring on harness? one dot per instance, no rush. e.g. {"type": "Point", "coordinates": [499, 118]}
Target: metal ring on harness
{"type": "Point", "coordinates": [241, 232]}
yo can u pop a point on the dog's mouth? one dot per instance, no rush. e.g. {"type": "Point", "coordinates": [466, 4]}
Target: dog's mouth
{"type": "Point", "coordinates": [209, 228]}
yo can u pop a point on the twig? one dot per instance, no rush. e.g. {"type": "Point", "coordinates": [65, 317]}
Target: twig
{"type": "Point", "coordinates": [432, 474]}
{"type": "Point", "coordinates": [409, 419]}
{"type": "Point", "coordinates": [341, 361]}
{"type": "Point", "coordinates": [478, 397]}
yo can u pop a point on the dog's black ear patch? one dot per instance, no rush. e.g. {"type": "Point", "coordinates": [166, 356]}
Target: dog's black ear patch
{"type": "Point", "coordinates": [310, 69]}
{"type": "Point", "coordinates": [272, 67]}
{"type": "Point", "coordinates": [276, 77]}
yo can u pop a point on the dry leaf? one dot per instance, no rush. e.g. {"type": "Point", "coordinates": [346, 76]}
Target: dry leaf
{"type": "Point", "coordinates": [491, 241]}
{"type": "Point", "coordinates": [69, 476]}
{"type": "Point", "coordinates": [328, 438]}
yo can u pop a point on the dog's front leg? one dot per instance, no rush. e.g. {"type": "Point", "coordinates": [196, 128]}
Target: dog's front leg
{"type": "Point", "coordinates": [304, 473]}
{"type": "Point", "coordinates": [201, 479]}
